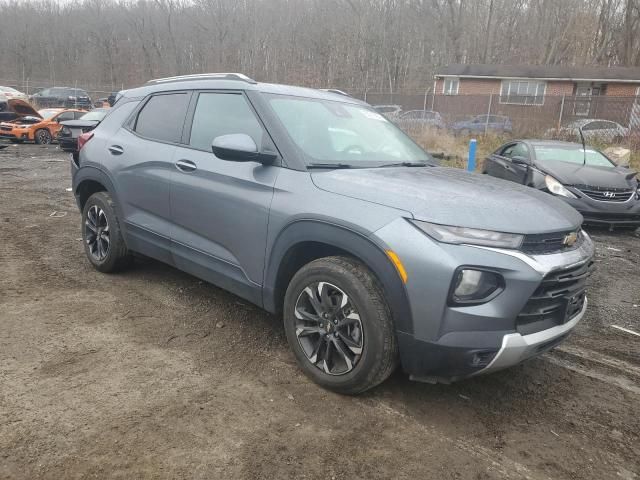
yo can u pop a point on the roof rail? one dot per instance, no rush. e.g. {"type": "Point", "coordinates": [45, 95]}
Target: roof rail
{"type": "Point", "coordinates": [335, 90]}
{"type": "Point", "coordinates": [204, 76]}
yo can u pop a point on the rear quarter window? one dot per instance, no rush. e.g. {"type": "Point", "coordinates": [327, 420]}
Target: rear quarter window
{"type": "Point", "coordinates": [162, 117]}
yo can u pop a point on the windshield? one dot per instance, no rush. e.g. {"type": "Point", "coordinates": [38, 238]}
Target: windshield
{"type": "Point", "coordinates": [572, 155]}
{"type": "Point", "coordinates": [94, 115]}
{"type": "Point", "coordinates": [47, 113]}
{"type": "Point", "coordinates": [336, 132]}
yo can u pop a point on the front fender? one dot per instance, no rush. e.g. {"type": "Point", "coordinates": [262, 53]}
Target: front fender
{"type": "Point", "coordinates": [357, 245]}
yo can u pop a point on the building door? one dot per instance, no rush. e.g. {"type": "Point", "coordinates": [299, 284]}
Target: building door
{"type": "Point", "coordinates": [584, 96]}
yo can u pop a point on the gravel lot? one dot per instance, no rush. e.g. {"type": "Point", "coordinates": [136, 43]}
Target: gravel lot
{"type": "Point", "coordinates": [154, 374]}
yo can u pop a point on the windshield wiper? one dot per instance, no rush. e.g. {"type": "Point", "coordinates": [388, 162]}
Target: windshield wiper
{"type": "Point", "coordinates": [406, 164]}
{"type": "Point", "coordinates": [329, 165]}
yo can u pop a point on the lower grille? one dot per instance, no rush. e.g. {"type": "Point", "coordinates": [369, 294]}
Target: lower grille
{"type": "Point", "coordinates": [6, 129]}
{"type": "Point", "coordinates": [558, 299]}
{"type": "Point", "coordinates": [606, 194]}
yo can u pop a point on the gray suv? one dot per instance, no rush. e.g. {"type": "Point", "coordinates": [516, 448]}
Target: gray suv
{"type": "Point", "coordinates": [315, 207]}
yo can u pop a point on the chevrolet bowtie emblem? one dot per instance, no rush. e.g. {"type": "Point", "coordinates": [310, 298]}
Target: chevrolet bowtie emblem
{"type": "Point", "coordinates": [570, 239]}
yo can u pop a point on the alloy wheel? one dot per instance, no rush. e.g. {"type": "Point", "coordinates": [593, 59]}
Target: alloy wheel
{"type": "Point", "coordinates": [97, 233]}
{"type": "Point", "coordinates": [43, 137]}
{"type": "Point", "coordinates": [328, 328]}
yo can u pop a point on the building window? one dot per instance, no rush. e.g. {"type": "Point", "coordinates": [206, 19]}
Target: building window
{"type": "Point", "coordinates": [450, 86]}
{"type": "Point", "coordinates": [522, 92]}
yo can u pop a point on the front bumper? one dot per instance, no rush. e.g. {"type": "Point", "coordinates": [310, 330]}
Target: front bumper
{"type": "Point", "coordinates": [516, 348]}
{"type": "Point", "coordinates": [15, 134]}
{"type": "Point", "coordinates": [609, 214]}
{"type": "Point", "coordinates": [445, 343]}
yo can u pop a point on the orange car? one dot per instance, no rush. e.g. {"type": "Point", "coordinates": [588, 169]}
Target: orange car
{"type": "Point", "coordinates": [36, 126]}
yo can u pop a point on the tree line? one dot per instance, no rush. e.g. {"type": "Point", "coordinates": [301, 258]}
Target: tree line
{"type": "Point", "coordinates": [358, 45]}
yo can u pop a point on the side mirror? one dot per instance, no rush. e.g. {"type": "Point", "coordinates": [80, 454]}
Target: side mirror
{"type": "Point", "coordinates": [240, 147]}
{"type": "Point", "coordinates": [520, 160]}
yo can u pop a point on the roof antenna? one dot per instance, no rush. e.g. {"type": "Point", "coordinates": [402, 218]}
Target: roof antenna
{"type": "Point", "coordinates": [584, 147]}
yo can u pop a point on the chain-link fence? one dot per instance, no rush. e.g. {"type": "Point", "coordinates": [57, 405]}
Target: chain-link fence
{"type": "Point", "coordinates": [603, 120]}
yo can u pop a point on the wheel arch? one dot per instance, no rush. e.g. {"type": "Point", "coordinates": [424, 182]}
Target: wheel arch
{"type": "Point", "coordinates": [90, 180]}
{"type": "Point", "coordinates": [306, 240]}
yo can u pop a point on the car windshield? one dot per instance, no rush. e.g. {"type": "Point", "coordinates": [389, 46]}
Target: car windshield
{"type": "Point", "coordinates": [330, 132]}
{"type": "Point", "coordinates": [571, 155]}
{"type": "Point", "coordinates": [47, 113]}
{"type": "Point", "coordinates": [94, 115]}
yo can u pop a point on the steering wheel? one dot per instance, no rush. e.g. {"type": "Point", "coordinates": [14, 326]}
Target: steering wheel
{"type": "Point", "coordinates": [353, 149]}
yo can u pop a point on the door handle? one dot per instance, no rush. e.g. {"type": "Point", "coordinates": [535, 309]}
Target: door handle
{"type": "Point", "coordinates": [116, 150]}
{"type": "Point", "coordinates": [186, 165]}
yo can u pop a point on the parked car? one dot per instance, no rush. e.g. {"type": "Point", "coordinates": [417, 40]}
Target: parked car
{"type": "Point", "coordinates": [482, 123]}
{"type": "Point", "coordinates": [420, 119]}
{"type": "Point", "coordinates": [72, 129]}
{"type": "Point", "coordinates": [592, 129]}
{"type": "Point", "coordinates": [40, 127]}
{"type": "Point", "coordinates": [604, 193]}
{"type": "Point", "coordinates": [373, 255]}
{"type": "Point", "coordinates": [101, 103]}
{"type": "Point", "coordinates": [62, 97]}
{"type": "Point", "coordinates": [11, 93]}
{"type": "Point", "coordinates": [389, 111]}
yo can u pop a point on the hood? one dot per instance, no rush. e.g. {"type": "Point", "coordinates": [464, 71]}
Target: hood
{"type": "Point", "coordinates": [576, 174]}
{"type": "Point", "coordinates": [451, 196]}
{"type": "Point", "coordinates": [22, 108]}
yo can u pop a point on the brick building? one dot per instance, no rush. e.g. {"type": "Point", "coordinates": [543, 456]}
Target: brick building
{"type": "Point", "coordinates": [543, 93]}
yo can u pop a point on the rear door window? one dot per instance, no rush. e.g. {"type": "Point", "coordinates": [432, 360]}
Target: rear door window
{"type": "Point", "coordinates": [219, 114]}
{"type": "Point", "coordinates": [64, 116]}
{"type": "Point", "coordinates": [162, 117]}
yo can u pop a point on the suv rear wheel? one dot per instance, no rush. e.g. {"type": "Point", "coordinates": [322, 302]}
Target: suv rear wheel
{"type": "Point", "coordinates": [101, 234]}
{"type": "Point", "coordinates": [339, 326]}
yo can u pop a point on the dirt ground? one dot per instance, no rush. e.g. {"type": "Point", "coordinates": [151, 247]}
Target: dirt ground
{"type": "Point", "coordinates": [129, 376]}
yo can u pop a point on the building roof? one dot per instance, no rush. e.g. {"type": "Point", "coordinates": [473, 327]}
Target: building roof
{"type": "Point", "coordinates": [545, 72]}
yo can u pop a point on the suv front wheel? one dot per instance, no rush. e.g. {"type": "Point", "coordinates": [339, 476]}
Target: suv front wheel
{"type": "Point", "coordinates": [339, 326]}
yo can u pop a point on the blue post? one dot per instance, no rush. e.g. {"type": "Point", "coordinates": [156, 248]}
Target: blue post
{"type": "Point", "coordinates": [471, 162]}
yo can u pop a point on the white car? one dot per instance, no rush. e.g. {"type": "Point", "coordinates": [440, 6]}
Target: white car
{"type": "Point", "coordinates": [11, 93]}
{"type": "Point", "coordinates": [593, 129]}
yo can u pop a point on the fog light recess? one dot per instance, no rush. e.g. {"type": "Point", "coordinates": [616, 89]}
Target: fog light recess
{"type": "Point", "coordinates": [472, 286]}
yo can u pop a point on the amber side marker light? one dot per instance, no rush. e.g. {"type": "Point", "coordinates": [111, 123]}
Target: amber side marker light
{"type": "Point", "coordinates": [398, 264]}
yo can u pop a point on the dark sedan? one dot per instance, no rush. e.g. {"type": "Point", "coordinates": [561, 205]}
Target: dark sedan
{"type": "Point", "coordinates": [72, 129]}
{"type": "Point", "coordinates": [604, 193]}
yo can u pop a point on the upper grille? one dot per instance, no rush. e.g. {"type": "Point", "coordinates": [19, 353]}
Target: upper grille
{"type": "Point", "coordinates": [606, 194]}
{"type": "Point", "coordinates": [541, 243]}
{"type": "Point", "coordinates": [559, 298]}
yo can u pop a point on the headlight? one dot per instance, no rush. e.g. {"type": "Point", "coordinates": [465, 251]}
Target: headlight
{"type": "Point", "coordinates": [473, 236]}
{"type": "Point", "coordinates": [557, 188]}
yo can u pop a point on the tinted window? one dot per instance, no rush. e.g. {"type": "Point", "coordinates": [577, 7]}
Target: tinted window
{"type": "Point", "coordinates": [162, 117]}
{"type": "Point", "coordinates": [223, 114]}
{"type": "Point", "coordinates": [65, 116]}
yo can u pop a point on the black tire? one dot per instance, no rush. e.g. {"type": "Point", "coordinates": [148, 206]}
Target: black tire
{"type": "Point", "coordinates": [42, 136]}
{"type": "Point", "coordinates": [99, 211]}
{"type": "Point", "coordinates": [378, 344]}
